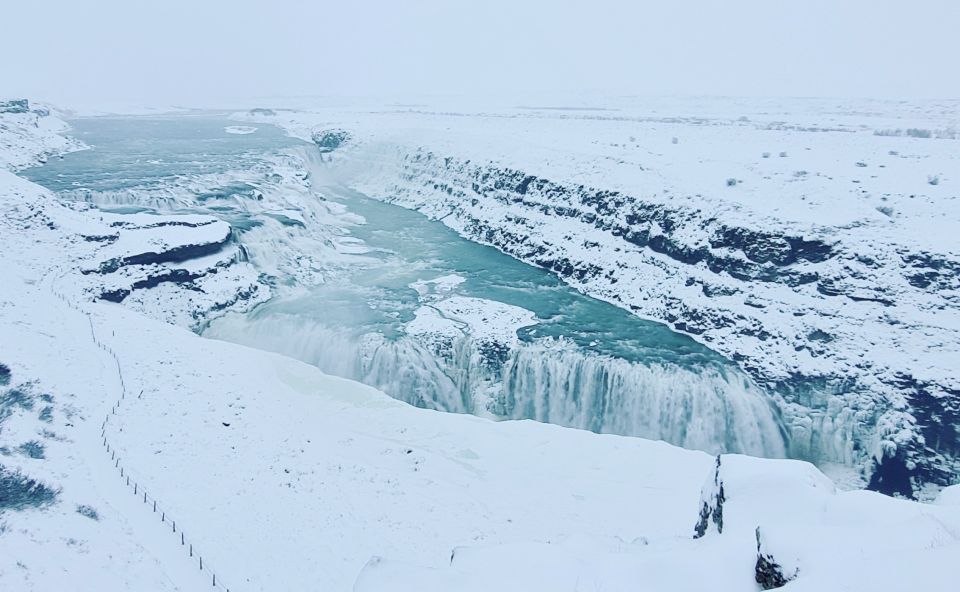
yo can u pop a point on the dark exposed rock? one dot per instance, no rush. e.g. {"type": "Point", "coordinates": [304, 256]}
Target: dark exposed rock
{"type": "Point", "coordinates": [15, 106]}
{"type": "Point", "coordinates": [101, 238]}
{"type": "Point", "coordinates": [767, 572]}
{"type": "Point", "coordinates": [177, 276]}
{"type": "Point", "coordinates": [174, 255]}
{"type": "Point", "coordinates": [4, 374]}
{"type": "Point", "coordinates": [329, 140]}
{"type": "Point", "coordinates": [711, 505]}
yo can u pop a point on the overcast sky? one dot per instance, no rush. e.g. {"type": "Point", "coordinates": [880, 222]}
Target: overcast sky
{"type": "Point", "coordinates": [205, 51]}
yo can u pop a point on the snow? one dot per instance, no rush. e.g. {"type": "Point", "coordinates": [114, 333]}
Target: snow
{"type": "Point", "coordinates": [239, 129]}
{"type": "Point", "coordinates": [481, 318]}
{"type": "Point", "coordinates": [286, 478]}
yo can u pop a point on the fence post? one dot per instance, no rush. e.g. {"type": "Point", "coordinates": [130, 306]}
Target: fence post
{"type": "Point", "coordinates": [191, 549]}
{"type": "Point", "coordinates": [144, 497]}
{"type": "Point", "coordinates": [214, 580]}
{"type": "Point", "coordinates": [201, 562]}
{"type": "Point", "coordinates": [154, 506]}
{"type": "Point", "coordinates": [181, 538]}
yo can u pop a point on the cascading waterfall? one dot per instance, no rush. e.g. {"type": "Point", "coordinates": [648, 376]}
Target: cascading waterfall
{"type": "Point", "coordinates": [708, 408]}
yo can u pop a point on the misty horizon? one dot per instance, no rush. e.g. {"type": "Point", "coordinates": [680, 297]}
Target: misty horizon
{"type": "Point", "coordinates": [223, 53]}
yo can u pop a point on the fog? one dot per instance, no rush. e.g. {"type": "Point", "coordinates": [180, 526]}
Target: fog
{"type": "Point", "coordinates": [213, 51]}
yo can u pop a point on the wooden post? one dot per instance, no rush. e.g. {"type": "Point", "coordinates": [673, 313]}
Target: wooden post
{"type": "Point", "coordinates": [201, 562]}
{"type": "Point", "coordinates": [214, 580]}
{"type": "Point", "coordinates": [191, 549]}
{"type": "Point", "coordinates": [181, 537]}
{"type": "Point", "coordinates": [163, 516]}
{"type": "Point", "coordinates": [134, 489]}
{"type": "Point", "coordinates": [174, 526]}
{"type": "Point", "coordinates": [154, 505]}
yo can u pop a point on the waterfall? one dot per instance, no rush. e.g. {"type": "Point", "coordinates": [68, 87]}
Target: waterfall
{"type": "Point", "coordinates": [707, 407]}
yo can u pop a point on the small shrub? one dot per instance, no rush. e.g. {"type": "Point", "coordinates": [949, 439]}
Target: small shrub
{"type": "Point", "coordinates": [783, 155]}
{"type": "Point", "coordinates": [88, 511]}
{"type": "Point", "coordinates": [51, 435]}
{"type": "Point", "coordinates": [46, 414]}
{"type": "Point", "coordinates": [933, 179]}
{"type": "Point", "coordinates": [16, 397]}
{"type": "Point", "coordinates": [33, 449]}
{"type": "Point", "coordinates": [675, 140]}
{"type": "Point", "coordinates": [765, 155]}
{"type": "Point", "coordinates": [861, 164]}
{"type": "Point", "coordinates": [12, 398]}
{"type": "Point", "coordinates": [18, 491]}
{"type": "Point", "coordinates": [731, 182]}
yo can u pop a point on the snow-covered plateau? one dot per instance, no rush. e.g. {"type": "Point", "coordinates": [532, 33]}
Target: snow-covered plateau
{"type": "Point", "coordinates": [136, 454]}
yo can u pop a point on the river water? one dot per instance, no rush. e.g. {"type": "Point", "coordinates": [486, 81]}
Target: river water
{"type": "Point", "coordinates": [408, 305]}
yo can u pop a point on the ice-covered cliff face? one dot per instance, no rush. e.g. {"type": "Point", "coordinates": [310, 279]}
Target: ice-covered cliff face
{"type": "Point", "coordinates": [810, 243]}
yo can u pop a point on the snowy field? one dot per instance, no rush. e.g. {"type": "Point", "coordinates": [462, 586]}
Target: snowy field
{"type": "Point", "coordinates": [282, 477]}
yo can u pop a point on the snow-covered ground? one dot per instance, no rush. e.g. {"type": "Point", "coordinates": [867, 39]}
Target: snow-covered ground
{"type": "Point", "coordinates": [812, 241]}
{"type": "Point", "coordinates": [282, 477]}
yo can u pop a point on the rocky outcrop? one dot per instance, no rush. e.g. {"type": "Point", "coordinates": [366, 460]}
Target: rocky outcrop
{"type": "Point", "coordinates": [329, 140]}
{"type": "Point", "coordinates": [15, 106]}
{"type": "Point", "coordinates": [767, 572]}
{"type": "Point", "coordinates": [711, 504]}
